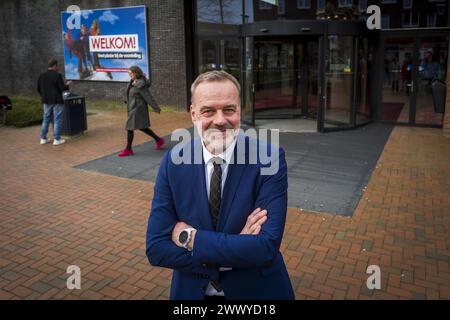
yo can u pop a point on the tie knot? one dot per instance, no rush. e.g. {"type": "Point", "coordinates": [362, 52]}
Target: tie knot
{"type": "Point", "coordinates": [217, 161]}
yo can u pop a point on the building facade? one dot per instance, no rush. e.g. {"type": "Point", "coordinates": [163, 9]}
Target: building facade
{"type": "Point", "coordinates": [305, 62]}
{"type": "Point", "coordinates": [31, 35]}
{"type": "Point", "coordinates": [318, 60]}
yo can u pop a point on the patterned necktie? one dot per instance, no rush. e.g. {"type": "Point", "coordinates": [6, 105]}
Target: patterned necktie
{"type": "Point", "coordinates": [215, 190]}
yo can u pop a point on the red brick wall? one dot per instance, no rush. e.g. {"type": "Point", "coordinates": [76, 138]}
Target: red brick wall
{"type": "Point", "coordinates": [447, 102]}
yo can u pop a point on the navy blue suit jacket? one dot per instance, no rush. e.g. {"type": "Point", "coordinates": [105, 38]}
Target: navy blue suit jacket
{"type": "Point", "coordinates": [258, 270]}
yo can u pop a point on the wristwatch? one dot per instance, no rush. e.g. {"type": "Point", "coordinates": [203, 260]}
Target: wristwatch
{"type": "Point", "coordinates": [185, 237]}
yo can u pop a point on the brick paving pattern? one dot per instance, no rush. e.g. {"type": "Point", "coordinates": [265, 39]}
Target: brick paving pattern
{"type": "Point", "coordinates": [53, 216]}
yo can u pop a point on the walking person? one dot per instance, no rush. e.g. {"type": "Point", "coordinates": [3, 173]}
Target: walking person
{"type": "Point", "coordinates": [138, 97]}
{"type": "Point", "coordinates": [51, 86]}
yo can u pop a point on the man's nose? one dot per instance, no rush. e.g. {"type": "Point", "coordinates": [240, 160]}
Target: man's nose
{"type": "Point", "coordinates": [219, 119]}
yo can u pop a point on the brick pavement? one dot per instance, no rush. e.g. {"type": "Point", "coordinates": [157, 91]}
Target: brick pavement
{"type": "Point", "coordinates": [52, 216]}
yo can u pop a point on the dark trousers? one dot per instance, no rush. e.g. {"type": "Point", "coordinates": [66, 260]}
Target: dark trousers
{"type": "Point", "coordinates": [148, 131]}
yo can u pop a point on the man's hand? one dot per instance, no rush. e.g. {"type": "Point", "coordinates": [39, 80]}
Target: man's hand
{"type": "Point", "coordinates": [180, 226]}
{"type": "Point", "coordinates": [253, 226]}
{"type": "Point", "coordinates": [254, 222]}
{"type": "Point", "coordinates": [68, 83]}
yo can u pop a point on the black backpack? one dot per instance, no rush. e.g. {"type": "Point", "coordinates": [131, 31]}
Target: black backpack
{"type": "Point", "coordinates": [5, 103]}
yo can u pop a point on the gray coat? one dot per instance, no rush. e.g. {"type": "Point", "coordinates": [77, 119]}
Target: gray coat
{"type": "Point", "coordinates": [138, 97]}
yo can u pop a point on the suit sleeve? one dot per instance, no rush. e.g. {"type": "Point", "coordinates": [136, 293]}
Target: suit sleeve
{"type": "Point", "coordinates": [161, 251]}
{"type": "Point", "coordinates": [249, 251]}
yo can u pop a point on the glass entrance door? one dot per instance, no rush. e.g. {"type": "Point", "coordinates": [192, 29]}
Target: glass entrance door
{"type": "Point", "coordinates": [414, 68]}
{"type": "Point", "coordinates": [274, 78]}
{"type": "Point", "coordinates": [432, 73]}
{"type": "Point", "coordinates": [398, 80]}
{"type": "Point", "coordinates": [286, 78]}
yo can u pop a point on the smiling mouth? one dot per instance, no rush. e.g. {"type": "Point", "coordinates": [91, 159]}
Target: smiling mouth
{"type": "Point", "coordinates": [217, 132]}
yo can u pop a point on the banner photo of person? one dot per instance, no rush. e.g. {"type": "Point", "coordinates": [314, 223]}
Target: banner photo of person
{"type": "Point", "coordinates": [101, 44]}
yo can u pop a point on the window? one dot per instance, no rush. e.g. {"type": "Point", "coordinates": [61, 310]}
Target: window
{"type": "Point", "coordinates": [407, 4]}
{"type": "Point", "coordinates": [362, 5]}
{"type": "Point", "coordinates": [431, 20]}
{"type": "Point", "coordinates": [281, 7]}
{"type": "Point", "coordinates": [207, 55]}
{"type": "Point", "coordinates": [224, 12]}
{"type": "Point", "coordinates": [345, 3]}
{"type": "Point", "coordinates": [410, 19]}
{"type": "Point", "coordinates": [320, 5]}
{"type": "Point", "coordinates": [385, 21]}
{"type": "Point", "coordinates": [305, 4]}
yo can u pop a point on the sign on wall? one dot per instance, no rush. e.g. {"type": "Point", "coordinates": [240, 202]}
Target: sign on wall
{"type": "Point", "coordinates": [101, 44]}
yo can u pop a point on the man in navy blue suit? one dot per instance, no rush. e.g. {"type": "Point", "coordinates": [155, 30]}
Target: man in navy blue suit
{"type": "Point", "coordinates": [219, 222]}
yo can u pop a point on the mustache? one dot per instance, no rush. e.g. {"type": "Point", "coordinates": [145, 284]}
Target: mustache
{"type": "Point", "coordinates": [220, 128]}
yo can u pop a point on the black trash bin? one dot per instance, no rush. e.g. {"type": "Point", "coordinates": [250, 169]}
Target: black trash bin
{"type": "Point", "coordinates": [438, 92]}
{"type": "Point", "coordinates": [74, 116]}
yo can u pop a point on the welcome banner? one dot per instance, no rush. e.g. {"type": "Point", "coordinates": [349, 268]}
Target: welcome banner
{"type": "Point", "coordinates": [101, 44]}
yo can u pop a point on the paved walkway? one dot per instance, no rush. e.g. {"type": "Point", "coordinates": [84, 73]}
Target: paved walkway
{"type": "Point", "coordinates": [53, 215]}
{"type": "Point", "coordinates": [322, 177]}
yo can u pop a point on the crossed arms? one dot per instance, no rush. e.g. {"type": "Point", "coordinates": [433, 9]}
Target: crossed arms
{"type": "Point", "coordinates": [256, 246]}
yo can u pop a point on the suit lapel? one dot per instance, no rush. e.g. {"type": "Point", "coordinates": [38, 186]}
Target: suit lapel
{"type": "Point", "coordinates": [232, 181]}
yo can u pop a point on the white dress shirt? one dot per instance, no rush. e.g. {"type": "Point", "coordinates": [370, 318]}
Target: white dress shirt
{"type": "Point", "coordinates": [209, 169]}
{"type": "Point", "coordinates": [209, 165]}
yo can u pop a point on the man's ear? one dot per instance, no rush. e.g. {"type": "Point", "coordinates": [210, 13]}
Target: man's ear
{"type": "Point", "coordinates": [192, 111]}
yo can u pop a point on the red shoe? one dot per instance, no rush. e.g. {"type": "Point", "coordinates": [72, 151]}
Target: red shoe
{"type": "Point", "coordinates": [126, 152]}
{"type": "Point", "coordinates": [159, 144]}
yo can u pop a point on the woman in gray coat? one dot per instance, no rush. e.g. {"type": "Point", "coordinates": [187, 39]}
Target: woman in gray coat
{"type": "Point", "coordinates": [138, 97]}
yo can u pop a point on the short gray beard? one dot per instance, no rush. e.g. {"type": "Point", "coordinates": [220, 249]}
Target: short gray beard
{"type": "Point", "coordinates": [217, 145]}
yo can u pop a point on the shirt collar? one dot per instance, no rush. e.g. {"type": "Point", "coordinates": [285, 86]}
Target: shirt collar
{"type": "Point", "coordinates": [226, 155]}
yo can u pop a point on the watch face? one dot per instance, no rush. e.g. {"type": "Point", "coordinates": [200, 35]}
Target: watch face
{"type": "Point", "coordinates": [183, 236]}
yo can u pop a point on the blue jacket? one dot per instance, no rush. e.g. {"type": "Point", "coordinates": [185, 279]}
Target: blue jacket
{"type": "Point", "coordinates": [258, 270]}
